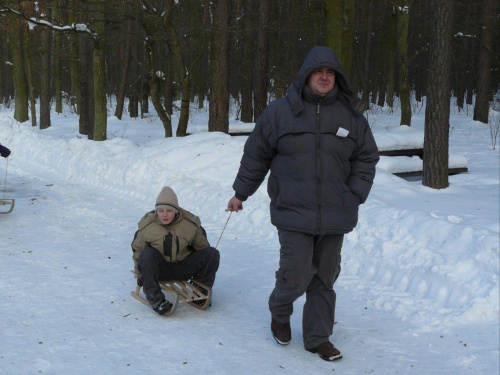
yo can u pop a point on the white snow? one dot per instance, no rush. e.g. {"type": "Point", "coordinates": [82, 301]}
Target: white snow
{"type": "Point", "coordinates": [418, 292]}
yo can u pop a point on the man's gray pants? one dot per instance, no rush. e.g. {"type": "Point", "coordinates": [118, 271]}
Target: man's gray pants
{"type": "Point", "coordinates": [308, 264]}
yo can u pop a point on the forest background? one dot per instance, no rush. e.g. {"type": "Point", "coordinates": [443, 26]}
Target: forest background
{"type": "Point", "coordinates": [242, 54]}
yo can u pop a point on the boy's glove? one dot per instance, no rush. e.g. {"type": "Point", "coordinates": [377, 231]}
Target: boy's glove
{"type": "Point", "coordinates": [140, 281]}
{"type": "Point", "coordinates": [4, 151]}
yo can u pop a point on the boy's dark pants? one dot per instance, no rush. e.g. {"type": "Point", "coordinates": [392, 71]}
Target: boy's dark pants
{"type": "Point", "coordinates": [201, 265]}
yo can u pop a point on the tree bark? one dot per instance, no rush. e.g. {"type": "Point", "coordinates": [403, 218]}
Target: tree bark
{"type": "Point", "coordinates": [165, 118]}
{"type": "Point", "coordinates": [483, 94]}
{"type": "Point", "coordinates": [57, 59]}
{"type": "Point", "coordinates": [219, 70]}
{"type": "Point", "coordinates": [87, 105]}
{"type": "Point", "coordinates": [246, 64]}
{"type": "Point", "coordinates": [391, 57]}
{"type": "Point", "coordinates": [30, 75]}
{"type": "Point", "coordinates": [45, 74]}
{"type": "Point", "coordinates": [334, 10]}
{"type": "Point", "coordinates": [437, 113]}
{"type": "Point", "coordinates": [404, 84]}
{"type": "Point", "coordinates": [122, 89]}
{"type": "Point", "coordinates": [262, 59]}
{"type": "Point", "coordinates": [75, 88]}
{"type": "Point", "coordinates": [20, 81]}
{"type": "Point", "coordinates": [182, 70]}
{"type": "Point", "coordinates": [367, 51]}
{"type": "Point", "coordinates": [99, 65]}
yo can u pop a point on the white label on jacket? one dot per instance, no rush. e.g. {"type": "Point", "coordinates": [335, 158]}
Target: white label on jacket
{"type": "Point", "coordinates": [342, 132]}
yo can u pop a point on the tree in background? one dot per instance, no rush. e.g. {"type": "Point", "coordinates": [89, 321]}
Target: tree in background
{"type": "Point", "coordinates": [483, 94]}
{"type": "Point", "coordinates": [45, 71]}
{"type": "Point", "coordinates": [262, 59]}
{"type": "Point", "coordinates": [99, 67]}
{"type": "Point", "coordinates": [437, 112]}
{"type": "Point", "coordinates": [29, 67]}
{"type": "Point", "coordinates": [15, 41]}
{"type": "Point", "coordinates": [57, 56]}
{"type": "Point", "coordinates": [219, 69]}
{"type": "Point", "coordinates": [75, 88]}
{"type": "Point", "coordinates": [268, 42]}
{"type": "Point", "coordinates": [246, 61]}
{"type": "Point", "coordinates": [402, 36]}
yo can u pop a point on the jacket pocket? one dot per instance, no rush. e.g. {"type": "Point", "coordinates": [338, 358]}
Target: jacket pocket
{"type": "Point", "coordinates": [286, 274]}
{"type": "Point", "coordinates": [350, 199]}
{"type": "Point", "coordinates": [273, 188]}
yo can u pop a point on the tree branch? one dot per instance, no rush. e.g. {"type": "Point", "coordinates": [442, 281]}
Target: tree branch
{"type": "Point", "coordinates": [32, 21]}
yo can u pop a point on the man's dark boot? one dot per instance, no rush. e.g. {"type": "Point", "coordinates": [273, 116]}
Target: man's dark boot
{"type": "Point", "coordinates": [327, 351]}
{"type": "Point", "coordinates": [282, 332]}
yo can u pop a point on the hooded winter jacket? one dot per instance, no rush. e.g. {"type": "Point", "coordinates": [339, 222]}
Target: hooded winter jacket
{"type": "Point", "coordinates": [175, 241]}
{"type": "Point", "coordinates": [320, 152]}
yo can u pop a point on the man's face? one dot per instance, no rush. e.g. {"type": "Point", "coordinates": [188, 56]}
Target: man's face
{"type": "Point", "coordinates": [321, 81]}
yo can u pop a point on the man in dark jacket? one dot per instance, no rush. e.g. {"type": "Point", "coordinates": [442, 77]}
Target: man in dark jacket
{"type": "Point", "coordinates": [322, 156]}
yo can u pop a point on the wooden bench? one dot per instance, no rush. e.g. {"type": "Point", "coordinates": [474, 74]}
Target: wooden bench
{"type": "Point", "coordinates": [412, 166]}
{"type": "Point", "coordinates": [406, 152]}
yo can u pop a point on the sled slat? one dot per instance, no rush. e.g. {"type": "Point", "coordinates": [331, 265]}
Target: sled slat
{"type": "Point", "coordinates": [6, 202]}
{"type": "Point", "coordinates": [140, 298]}
{"type": "Point", "coordinates": [183, 291]}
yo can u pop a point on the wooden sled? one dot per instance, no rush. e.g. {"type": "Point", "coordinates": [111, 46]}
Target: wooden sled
{"type": "Point", "coordinates": [6, 205]}
{"type": "Point", "coordinates": [182, 291]}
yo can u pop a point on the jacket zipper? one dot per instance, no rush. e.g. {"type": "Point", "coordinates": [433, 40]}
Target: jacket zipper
{"type": "Point", "coordinates": [319, 168]}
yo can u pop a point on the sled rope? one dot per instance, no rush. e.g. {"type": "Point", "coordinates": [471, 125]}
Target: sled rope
{"type": "Point", "coordinates": [227, 221]}
{"type": "Point", "coordinates": [209, 260]}
{"type": "Point", "coordinates": [5, 181]}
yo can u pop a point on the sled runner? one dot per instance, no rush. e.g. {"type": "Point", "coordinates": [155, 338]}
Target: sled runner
{"type": "Point", "coordinates": [182, 291]}
{"type": "Point", "coordinates": [6, 205]}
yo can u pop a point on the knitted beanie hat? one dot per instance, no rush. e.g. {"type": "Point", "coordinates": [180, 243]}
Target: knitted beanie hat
{"type": "Point", "coordinates": [167, 199]}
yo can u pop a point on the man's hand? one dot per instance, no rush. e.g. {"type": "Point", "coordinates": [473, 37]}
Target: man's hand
{"type": "Point", "coordinates": [140, 281]}
{"type": "Point", "coordinates": [234, 204]}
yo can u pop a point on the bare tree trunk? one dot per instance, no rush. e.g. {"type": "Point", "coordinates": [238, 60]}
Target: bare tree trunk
{"type": "Point", "coordinates": [437, 113]}
{"type": "Point", "coordinates": [348, 37]}
{"type": "Point", "coordinates": [87, 111]}
{"type": "Point", "coordinates": [483, 94]}
{"type": "Point", "coordinates": [45, 42]}
{"type": "Point", "coordinates": [20, 82]}
{"type": "Point", "coordinates": [75, 93]}
{"type": "Point", "coordinates": [367, 56]}
{"type": "Point", "coordinates": [262, 58]}
{"type": "Point", "coordinates": [335, 26]}
{"type": "Point", "coordinates": [165, 118]}
{"type": "Point", "coordinates": [99, 64]}
{"type": "Point", "coordinates": [120, 97]}
{"type": "Point", "coordinates": [182, 70]}
{"type": "Point", "coordinates": [219, 70]}
{"type": "Point", "coordinates": [404, 84]}
{"type": "Point", "coordinates": [30, 76]}
{"type": "Point", "coordinates": [246, 64]}
{"type": "Point", "coordinates": [391, 56]}
{"type": "Point", "coordinates": [133, 101]}
{"type": "Point", "coordinates": [57, 59]}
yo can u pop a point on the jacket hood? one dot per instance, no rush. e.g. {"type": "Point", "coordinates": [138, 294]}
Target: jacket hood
{"type": "Point", "coordinates": [320, 57]}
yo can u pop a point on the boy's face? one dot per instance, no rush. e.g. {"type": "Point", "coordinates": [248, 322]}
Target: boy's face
{"type": "Point", "coordinates": [166, 215]}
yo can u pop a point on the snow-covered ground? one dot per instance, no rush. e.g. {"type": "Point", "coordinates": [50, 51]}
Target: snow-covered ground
{"type": "Point", "coordinates": [418, 292]}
